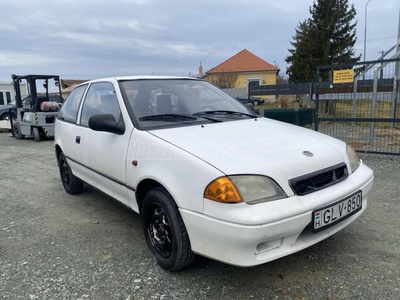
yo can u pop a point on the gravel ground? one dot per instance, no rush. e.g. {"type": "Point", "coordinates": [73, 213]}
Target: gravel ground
{"type": "Point", "coordinates": [57, 246]}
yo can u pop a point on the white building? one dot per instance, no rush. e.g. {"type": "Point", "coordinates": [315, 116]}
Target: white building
{"type": "Point", "coordinates": [7, 93]}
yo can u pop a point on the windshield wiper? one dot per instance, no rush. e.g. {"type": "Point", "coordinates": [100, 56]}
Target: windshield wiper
{"type": "Point", "coordinates": [224, 112]}
{"type": "Point", "coordinates": [168, 117]}
{"type": "Point", "coordinates": [201, 115]}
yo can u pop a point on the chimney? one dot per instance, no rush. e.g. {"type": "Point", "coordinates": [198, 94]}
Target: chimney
{"type": "Point", "coordinates": [200, 70]}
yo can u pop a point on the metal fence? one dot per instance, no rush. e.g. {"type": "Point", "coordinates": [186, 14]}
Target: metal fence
{"type": "Point", "coordinates": [359, 103]}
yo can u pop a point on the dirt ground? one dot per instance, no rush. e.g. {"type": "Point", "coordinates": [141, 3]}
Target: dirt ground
{"type": "Point", "coordinates": [57, 246]}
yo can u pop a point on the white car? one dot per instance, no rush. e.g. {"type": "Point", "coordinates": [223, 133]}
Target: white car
{"type": "Point", "coordinates": [208, 176]}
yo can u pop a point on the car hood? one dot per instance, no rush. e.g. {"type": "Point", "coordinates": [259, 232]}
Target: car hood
{"type": "Point", "coordinates": [258, 146]}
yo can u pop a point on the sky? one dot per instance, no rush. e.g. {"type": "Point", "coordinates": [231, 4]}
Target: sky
{"type": "Point", "coordinates": [90, 39]}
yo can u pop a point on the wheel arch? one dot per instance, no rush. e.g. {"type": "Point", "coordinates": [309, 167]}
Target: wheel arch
{"type": "Point", "coordinates": [58, 151]}
{"type": "Point", "coordinates": [143, 188]}
{"type": "Point", "coordinates": [7, 113]}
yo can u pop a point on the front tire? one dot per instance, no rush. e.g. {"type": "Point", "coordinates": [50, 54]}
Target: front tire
{"type": "Point", "coordinates": [165, 232]}
{"type": "Point", "coordinates": [72, 184]}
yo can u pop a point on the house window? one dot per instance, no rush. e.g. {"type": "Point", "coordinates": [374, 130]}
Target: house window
{"type": "Point", "coordinates": [254, 80]}
{"type": "Point", "coordinates": [254, 83]}
{"type": "Point", "coordinates": [5, 97]}
{"type": "Point", "coordinates": [8, 97]}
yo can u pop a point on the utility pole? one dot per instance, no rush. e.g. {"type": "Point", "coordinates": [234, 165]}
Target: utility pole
{"type": "Point", "coordinates": [365, 35]}
{"type": "Point", "coordinates": [365, 30]}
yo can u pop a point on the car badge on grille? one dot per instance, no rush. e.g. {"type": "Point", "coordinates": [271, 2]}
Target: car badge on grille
{"type": "Point", "coordinates": [308, 153]}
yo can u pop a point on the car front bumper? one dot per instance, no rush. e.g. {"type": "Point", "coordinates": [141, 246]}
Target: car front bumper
{"type": "Point", "coordinates": [249, 245]}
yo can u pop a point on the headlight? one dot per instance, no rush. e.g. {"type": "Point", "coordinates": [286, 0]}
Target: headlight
{"type": "Point", "coordinates": [251, 189]}
{"type": "Point", "coordinates": [354, 158]}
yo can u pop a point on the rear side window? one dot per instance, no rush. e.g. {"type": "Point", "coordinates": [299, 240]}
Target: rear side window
{"type": "Point", "coordinates": [69, 110]}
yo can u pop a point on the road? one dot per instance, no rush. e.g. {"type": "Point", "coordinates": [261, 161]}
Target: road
{"type": "Point", "coordinates": [57, 246]}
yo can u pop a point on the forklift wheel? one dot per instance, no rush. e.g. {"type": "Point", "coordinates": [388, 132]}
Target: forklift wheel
{"type": "Point", "coordinates": [36, 134]}
{"type": "Point", "coordinates": [17, 131]}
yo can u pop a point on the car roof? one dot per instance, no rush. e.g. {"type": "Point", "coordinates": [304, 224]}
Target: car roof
{"type": "Point", "coordinates": [138, 77]}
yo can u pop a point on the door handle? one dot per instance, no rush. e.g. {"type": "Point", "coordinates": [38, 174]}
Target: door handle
{"type": "Point", "coordinates": [78, 139]}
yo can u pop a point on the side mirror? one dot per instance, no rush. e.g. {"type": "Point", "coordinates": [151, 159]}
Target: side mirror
{"type": "Point", "coordinates": [107, 123]}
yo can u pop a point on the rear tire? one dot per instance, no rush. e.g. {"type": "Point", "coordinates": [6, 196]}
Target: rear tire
{"type": "Point", "coordinates": [165, 233]}
{"type": "Point", "coordinates": [17, 131]}
{"type": "Point", "coordinates": [72, 184]}
{"type": "Point", "coordinates": [36, 134]}
{"type": "Point", "coordinates": [255, 102]}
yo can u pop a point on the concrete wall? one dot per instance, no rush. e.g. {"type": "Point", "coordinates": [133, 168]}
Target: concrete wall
{"type": "Point", "coordinates": [265, 78]}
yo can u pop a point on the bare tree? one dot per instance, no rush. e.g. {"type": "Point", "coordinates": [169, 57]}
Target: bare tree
{"type": "Point", "coordinates": [281, 80]}
{"type": "Point", "coordinates": [224, 80]}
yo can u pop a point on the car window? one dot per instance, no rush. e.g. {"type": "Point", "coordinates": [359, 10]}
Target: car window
{"type": "Point", "coordinates": [154, 101]}
{"type": "Point", "coordinates": [69, 110]}
{"type": "Point", "coordinates": [100, 99]}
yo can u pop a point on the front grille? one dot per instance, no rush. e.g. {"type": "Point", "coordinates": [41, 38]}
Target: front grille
{"type": "Point", "coordinates": [313, 182]}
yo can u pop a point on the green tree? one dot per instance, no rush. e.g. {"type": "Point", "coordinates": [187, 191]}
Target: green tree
{"type": "Point", "coordinates": [327, 37]}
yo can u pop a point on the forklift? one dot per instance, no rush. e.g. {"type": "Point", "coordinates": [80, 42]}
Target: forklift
{"type": "Point", "coordinates": [37, 112]}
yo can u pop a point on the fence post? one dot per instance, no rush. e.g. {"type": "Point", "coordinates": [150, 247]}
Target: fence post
{"type": "Point", "coordinates": [316, 101]}
{"type": "Point", "coordinates": [353, 111]}
{"type": "Point", "coordinates": [394, 99]}
{"type": "Point", "coordinates": [373, 108]}
{"type": "Point", "coordinates": [311, 92]}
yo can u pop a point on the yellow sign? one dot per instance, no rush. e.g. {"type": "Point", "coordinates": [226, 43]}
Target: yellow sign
{"type": "Point", "coordinates": [343, 76]}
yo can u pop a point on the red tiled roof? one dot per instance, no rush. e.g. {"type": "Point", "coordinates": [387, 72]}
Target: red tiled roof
{"type": "Point", "coordinates": [244, 61]}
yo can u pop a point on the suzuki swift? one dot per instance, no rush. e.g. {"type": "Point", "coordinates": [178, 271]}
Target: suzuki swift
{"type": "Point", "coordinates": [207, 175]}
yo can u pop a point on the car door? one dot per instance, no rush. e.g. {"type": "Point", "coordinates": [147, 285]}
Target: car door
{"type": "Point", "coordinates": [66, 124]}
{"type": "Point", "coordinates": [102, 155]}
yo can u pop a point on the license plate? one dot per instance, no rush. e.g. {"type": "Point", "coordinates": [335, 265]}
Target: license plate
{"type": "Point", "coordinates": [334, 213]}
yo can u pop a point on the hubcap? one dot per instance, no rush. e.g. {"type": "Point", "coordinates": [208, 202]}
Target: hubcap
{"type": "Point", "coordinates": [65, 172]}
{"type": "Point", "coordinates": [159, 230]}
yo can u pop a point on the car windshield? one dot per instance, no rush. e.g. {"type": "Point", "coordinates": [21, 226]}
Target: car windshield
{"type": "Point", "coordinates": [180, 102]}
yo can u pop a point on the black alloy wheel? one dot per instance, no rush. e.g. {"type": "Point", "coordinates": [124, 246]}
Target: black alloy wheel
{"type": "Point", "coordinates": [72, 184]}
{"type": "Point", "coordinates": [165, 233]}
{"type": "Point", "coordinates": [159, 231]}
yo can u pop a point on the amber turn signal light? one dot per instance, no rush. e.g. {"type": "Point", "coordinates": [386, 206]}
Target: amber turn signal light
{"type": "Point", "coordinates": [222, 190]}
